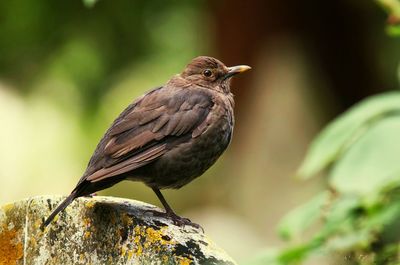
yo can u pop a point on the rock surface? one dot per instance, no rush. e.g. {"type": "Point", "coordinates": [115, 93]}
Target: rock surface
{"type": "Point", "coordinates": [99, 230]}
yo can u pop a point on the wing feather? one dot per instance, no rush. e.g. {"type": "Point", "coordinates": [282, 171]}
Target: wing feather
{"type": "Point", "coordinates": [127, 165]}
{"type": "Point", "coordinates": [146, 129]}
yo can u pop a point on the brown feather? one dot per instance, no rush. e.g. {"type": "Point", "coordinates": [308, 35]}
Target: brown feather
{"type": "Point", "coordinates": [127, 165]}
{"type": "Point", "coordinates": [136, 136]}
{"type": "Point", "coordinates": [167, 137]}
{"type": "Point", "coordinates": [133, 143]}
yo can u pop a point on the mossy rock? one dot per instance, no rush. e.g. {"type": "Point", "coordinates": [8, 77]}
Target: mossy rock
{"type": "Point", "coordinates": [99, 230]}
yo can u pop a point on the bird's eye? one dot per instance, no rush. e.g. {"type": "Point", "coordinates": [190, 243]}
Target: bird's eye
{"type": "Point", "coordinates": [207, 73]}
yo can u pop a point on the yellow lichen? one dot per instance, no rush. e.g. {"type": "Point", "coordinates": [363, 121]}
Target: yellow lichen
{"type": "Point", "coordinates": [90, 203]}
{"type": "Point", "coordinates": [56, 218]}
{"type": "Point", "coordinates": [149, 240]}
{"type": "Point", "coordinates": [123, 250]}
{"type": "Point", "coordinates": [87, 234]}
{"type": "Point", "coordinates": [156, 236]}
{"type": "Point", "coordinates": [184, 261]}
{"type": "Point", "coordinates": [139, 250]}
{"type": "Point", "coordinates": [164, 258]}
{"type": "Point", "coordinates": [153, 235]}
{"type": "Point", "coordinates": [130, 254]}
{"type": "Point", "coordinates": [10, 247]}
{"type": "Point", "coordinates": [86, 221]}
{"type": "Point", "coordinates": [32, 242]}
{"type": "Point", "coordinates": [38, 223]}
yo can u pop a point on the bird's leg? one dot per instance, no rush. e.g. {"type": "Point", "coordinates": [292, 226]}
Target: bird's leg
{"type": "Point", "coordinates": [180, 221]}
{"type": "Point", "coordinates": [168, 209]}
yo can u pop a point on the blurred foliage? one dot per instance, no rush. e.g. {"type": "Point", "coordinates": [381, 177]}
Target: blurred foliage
{"type": "Point", "coordinates": [91, 46]}
{"type": "Point", "coordinates": [90, 3]}
{"type": "Point", "coordinates": [67, 68]}
{"type": "Point", "coordinates": [358, 217]}
{"type": "Point", "coordinates": [356, 220]}
{"type": "Point", "coordinates": [66, 71]}
{"type": "Point", "coordinates": [393, 9]}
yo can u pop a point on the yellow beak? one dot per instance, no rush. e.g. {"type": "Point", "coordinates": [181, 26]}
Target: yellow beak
{"type": "Point", "coordinates": [233, 70]}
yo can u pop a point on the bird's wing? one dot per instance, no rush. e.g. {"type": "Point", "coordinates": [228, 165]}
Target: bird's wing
{"type": "Point", "coordinates": [146, 130]}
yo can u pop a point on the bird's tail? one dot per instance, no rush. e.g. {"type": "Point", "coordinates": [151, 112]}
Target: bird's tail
{"type": "Point", "coordinates": [59, 208]}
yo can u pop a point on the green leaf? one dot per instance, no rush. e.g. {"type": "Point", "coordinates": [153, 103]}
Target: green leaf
{"type": "Point", "coordinates": [89, 3]}
{"type": "Point", "coordinates": [364, 233]}
{"type": "Point", "coordinates": [338, 219]}
{"type": "Point", "coordinates": [339, 215]}
{"type": "Point", "coordinates": [302, 217]}
{"type": "Point", "coordinates": [371, 162]}
{"type": "Point", "coordinates": [392, 7]}
{"type": "Point", "coordinates": [386, 216]}
{"type": "Point", "coordinates": [338, 135]}
{"type": "Point", "coordinates": [298, 253]}
{"type": "Point", "coordinates": [393, 30]}
{"type": "Point", "coordinates": [350, 241]}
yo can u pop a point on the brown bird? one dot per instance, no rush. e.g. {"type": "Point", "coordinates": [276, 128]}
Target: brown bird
{"type": "Point", "coordinates": [167, 137]}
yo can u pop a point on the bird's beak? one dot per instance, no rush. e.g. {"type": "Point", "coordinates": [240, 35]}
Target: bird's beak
{"type": "Point", "coordinates": [236, 70]}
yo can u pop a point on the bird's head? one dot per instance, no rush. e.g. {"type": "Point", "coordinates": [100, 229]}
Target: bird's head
{"type": "Point", "coordinates": [211, 73]}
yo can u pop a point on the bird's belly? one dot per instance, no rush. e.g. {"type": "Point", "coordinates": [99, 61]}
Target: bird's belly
{"type": "Point", "coordinates": [190, 159]}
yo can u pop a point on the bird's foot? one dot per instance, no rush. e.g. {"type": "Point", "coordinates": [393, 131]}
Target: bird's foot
{"type": "Point", "coordinates": [182, 221]}
{"type": "Point", "coordinates": [176, 219]}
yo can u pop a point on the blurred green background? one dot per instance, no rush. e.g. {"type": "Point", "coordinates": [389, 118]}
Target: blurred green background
{"type": "Point", "coordinates": [68, 68]}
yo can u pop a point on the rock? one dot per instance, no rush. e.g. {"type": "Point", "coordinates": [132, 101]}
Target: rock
{"type": "Point", "coordinates": [99, 230]}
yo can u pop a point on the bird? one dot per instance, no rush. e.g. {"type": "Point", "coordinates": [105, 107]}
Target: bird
{"type": "Point", "coordinates": [167, 137]}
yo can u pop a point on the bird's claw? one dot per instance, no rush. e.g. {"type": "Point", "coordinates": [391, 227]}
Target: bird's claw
{"type": "Point", "coordinates": [182, 221]}
{"type": "Point", "coordinates": [176, 219]}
